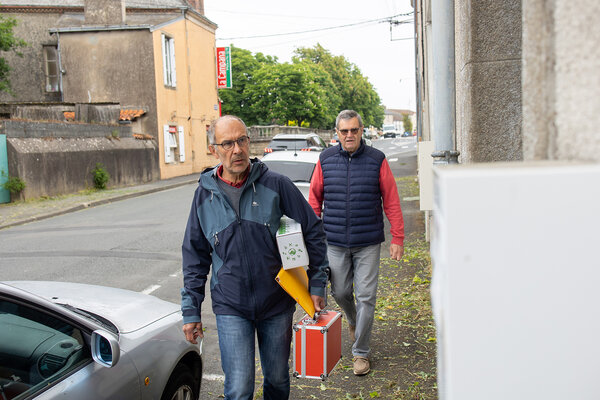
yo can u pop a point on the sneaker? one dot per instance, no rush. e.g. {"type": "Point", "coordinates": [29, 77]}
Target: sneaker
{"type": "Point", "coordinates": [352, 330]}
{"type": "Point", "coordinates": [361, 365]}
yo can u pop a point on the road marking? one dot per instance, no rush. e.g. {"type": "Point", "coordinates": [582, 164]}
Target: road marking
{"type": "Point", "coordinates": [411, 198]}
{"type": "Point", "coordinates": [214, 377]}
{"type": "Point", "coordinates": [150, 289]}
{"type": "Point", "coordinates": [405, 147]}
{"type": "Point", "coordinates": [393, 159]}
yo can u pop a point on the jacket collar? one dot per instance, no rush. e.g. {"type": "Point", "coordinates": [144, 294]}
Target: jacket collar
{"type": "Point", "coordinates": [359, 151]}
{"type": "Point", "coordinates": [209, 176]}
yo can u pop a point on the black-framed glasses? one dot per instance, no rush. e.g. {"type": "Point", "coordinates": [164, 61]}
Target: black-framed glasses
{"type": "Point", "coordinates": [344, 132]}
{"type": "Point", "coordinates": [228, 144]}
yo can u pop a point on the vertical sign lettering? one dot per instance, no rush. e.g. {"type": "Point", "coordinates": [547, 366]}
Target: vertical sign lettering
{"type": "Point", "coordinates": [223, 68]}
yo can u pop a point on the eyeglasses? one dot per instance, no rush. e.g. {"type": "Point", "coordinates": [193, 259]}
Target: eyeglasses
{"type": "Point", "coordinates": [344, 132]}
{"type": "Point", "coordinates": [228, 144]}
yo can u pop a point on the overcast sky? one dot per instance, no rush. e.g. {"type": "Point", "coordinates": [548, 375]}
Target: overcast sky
{"type": "Point", "coordinates": [385, 58]}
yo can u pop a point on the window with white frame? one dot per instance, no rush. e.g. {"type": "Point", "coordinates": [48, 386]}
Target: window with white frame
{"type": "Point", "coordinates": [168, 53]}
{"type": "Point", "coordinates": [51, 68]}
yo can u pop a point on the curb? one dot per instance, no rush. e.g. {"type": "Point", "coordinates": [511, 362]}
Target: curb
{"type": "Point", "coordinates": [97, 203]}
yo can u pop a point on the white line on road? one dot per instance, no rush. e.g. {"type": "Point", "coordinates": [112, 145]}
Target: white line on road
{"type": "Point", "coordinates": [411, 198]}
{"type": "Point", "coordinates": [393, 159]}
{"type": "Point", "coordinates": [150, 289]}
{"type": "Point", "coordinates": [214, 377]}
{"type": "Point", "coordinates": [405, 147]}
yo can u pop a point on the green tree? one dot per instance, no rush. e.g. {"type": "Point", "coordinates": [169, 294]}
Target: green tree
{"type": "Point", "coordinates": [354, 90]}
{"type": "Point", "coordinates": [288, 92]}
{"type": "Point", "coordinates": [8, 42]}
{"type": "Point", "coordinates": [235, 100]}
{"type": "Point", "coordinates": [407, 123]}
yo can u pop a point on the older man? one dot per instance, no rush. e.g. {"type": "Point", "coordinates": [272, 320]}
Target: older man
{"type": "Point", "coordinates": [232, 225]}
{"type": "Point", "coordinates": [351, 181]}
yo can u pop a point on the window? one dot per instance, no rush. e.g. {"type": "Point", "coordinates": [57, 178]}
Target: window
{"type": "Point", "coordinates": [36, 350]}
{"type": "Point", "coordinates": [168, 53]}
{"type": "Point", "coordinates": [51, 68]}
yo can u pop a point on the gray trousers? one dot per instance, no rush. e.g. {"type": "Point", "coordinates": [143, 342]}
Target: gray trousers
{"type": "Point", "coordinates": [354, 275]}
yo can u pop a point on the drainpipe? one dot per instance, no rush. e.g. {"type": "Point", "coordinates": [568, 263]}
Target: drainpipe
{"type": "Point", "coordinates": [444, 91]}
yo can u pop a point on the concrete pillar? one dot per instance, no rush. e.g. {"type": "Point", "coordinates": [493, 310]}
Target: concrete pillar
{"type": "Point", "coordinates": [488, 80]}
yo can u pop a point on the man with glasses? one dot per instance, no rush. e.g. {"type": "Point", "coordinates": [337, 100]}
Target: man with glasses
{"type": "Point", "coordinates": [232, 225]}
{"type": "Point", "coordinates": [348, 187]}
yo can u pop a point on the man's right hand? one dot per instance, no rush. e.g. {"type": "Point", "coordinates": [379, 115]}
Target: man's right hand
{"type": "Point", "coordinates": [192, 331]}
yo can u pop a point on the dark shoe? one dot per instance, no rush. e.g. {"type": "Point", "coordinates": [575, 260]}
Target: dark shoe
{"type": "Point", "coordinates": [361, 365]}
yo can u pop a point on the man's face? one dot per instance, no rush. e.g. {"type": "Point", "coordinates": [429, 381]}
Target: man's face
{"type": "Point", "coordinates": [235, 160]}
{"type": "Point", "coordinates": [349, 132]}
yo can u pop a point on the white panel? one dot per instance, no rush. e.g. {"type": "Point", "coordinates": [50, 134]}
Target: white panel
{"type": "Point", "coordinates": [181, 144]}
{"type": "Point", "coordinates": [515, 281]}
{"type": "Point", "coordinates": [425, 175]}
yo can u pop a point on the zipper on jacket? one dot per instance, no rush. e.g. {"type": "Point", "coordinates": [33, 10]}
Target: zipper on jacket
{"type": "Point", "coordinates": [348, 201]}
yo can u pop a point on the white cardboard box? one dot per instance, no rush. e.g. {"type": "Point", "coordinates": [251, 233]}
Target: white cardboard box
{"type": "Point", "coordinates": [291, 244]}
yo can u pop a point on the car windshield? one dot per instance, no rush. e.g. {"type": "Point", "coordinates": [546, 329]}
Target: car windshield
{"type": "Point", "coordinates": [297, 172]}
{"type": "Point", "coordinates": [289, 144]}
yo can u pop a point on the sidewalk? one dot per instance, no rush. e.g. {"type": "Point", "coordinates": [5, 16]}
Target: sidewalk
{"type": "Point", "coordinates": [18, 213]}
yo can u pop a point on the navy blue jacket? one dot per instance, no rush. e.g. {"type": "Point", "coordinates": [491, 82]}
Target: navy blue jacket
{"type": "Point", "coordinates": [242, 248]}
{"type": "Point", "coordinates": [352, 198]}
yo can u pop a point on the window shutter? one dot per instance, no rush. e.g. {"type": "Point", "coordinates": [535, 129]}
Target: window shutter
{"type": "Point", "coordinates": [181, 144]}
{"type": "Point", "coordinates": [166, 144]}
{"type": "Point", "coordinates": [165, 60]}
{"type": "Point", "coordinates": [172, 54]}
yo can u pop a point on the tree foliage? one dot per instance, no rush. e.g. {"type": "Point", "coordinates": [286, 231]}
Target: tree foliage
{"type": "Point", "coordinates": [354, 89]}
{"type": "Point", "coordinates": [309, 91]}
{"type": "Point", "coordinates": [407, 123]}
{"type": "Point", "coordinates": [8, 42]}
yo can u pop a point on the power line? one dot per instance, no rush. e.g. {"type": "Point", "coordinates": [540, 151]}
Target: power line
{"type": "Point", "coordinates": [387, 19]}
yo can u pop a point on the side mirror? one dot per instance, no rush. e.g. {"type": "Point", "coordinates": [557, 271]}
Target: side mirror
{"type": "Point", "coordinates": [105, 348]}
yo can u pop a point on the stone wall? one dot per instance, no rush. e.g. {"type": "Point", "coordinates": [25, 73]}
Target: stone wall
{"type": "Point", "coordinates": [488, 80]}
{"type": "Point", "coordinates": [57, 158]}
{"type": "Point", "coordinates": [561, 60]}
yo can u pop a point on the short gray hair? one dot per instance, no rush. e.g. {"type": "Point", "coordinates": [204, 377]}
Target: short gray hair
{"type": "Point", "coordinates": [213, 125]}
{"type": "Point", "coordinates": [348, 114]}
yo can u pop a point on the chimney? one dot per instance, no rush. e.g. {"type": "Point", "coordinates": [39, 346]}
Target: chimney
{"type": "Point", "coordinates": [197, 5]}
{"type": "Point", "coordinates": [104, 12]}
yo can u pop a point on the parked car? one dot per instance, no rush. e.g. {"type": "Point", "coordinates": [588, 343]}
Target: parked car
{"type": "Point", "coordinates": [289, 141]}
{"type": "Point", "coordinates": [335, 140]}
{"type": "Point", "coordinates": [389, 131]}
{"type": "Point", "coordinates": [74, 341]}
{"type": "Point", "coordinates": [296, 165]}
{"type": "Point", "coordinates": [389, 134]}
{"type": "Point", "coordinates": [370, 134]}
{"type": "Point", "coordinates": [406, 134]}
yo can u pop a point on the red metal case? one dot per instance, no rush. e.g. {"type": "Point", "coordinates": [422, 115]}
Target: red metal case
{"type": "Point", "coordinates": [317, 345]}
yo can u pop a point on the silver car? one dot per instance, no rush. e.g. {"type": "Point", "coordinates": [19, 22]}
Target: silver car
{"type": "Point", "coordinates": [77, 341]}
{"type": "Point", "coordinates": [296, 165]}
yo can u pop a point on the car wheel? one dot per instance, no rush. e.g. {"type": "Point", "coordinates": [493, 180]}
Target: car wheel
{"type": "Point", "coordinates": [180, 385]}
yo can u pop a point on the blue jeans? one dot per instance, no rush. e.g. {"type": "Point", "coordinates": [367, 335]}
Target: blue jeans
{"type": "Point", "coordinates": [236, 341]}
{"type": "Point", "coordinates": [354, 276]}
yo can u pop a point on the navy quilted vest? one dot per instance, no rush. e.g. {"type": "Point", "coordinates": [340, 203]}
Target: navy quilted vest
{"type": "Point", "coordinates": [352, 205]}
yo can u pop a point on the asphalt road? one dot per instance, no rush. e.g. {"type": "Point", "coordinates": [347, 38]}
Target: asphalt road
{"type": "Point", "coordinates": [135, 244]}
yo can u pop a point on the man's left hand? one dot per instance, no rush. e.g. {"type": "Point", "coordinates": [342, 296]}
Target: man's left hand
{"type": "Point", "coordinates": [396, 251]}
{"type": "Point", "coordinates": [318, 302]}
